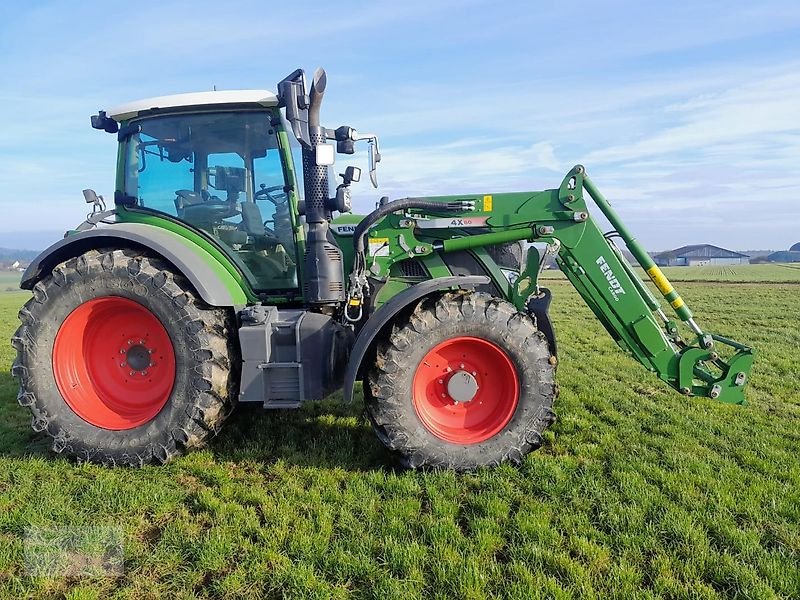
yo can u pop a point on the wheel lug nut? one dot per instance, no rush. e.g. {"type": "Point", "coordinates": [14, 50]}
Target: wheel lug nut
{"type": "Point", "coordinates": [149, 350]}
{"type": "Point", "coordinates": [441, 381]}
{"type": "Point", "coordinates": [474, 373]}
{"type": "Point", "coordinates": [449, 369]}
{"type": "Point", "coordinates": [122, 364]}
{"type": "Point", "coordinates": [444, 395]}
{"type": "Point", "coordinates": [132, 373]}
{"type": "Point", "coordinates": [461, 366]}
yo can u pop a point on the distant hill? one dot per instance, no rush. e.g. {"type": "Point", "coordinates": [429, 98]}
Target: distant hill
{"type": "Point", "coordinates": [10, 255]}
{"type": "Point", "coordinates": [29, 240]}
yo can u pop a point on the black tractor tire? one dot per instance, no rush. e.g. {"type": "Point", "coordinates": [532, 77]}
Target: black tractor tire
{"type": "Point", "coordinates": [389, 388]}
{"type": "Point", "coordinates": [205, 365]}
{"type": "Point", "coordinates": [508, 256]}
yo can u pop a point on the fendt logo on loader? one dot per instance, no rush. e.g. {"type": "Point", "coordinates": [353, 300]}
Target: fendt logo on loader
{"type": "Point", "coordinates": [615, 287]}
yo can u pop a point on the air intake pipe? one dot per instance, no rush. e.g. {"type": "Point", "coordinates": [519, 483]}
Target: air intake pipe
{"type": "Point", "coordinates": [324, 268]}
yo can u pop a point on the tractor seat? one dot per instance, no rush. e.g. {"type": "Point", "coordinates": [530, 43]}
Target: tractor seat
{"type": "Point", "coordinates": [252, 221]}
{"type": "Point", "coordinates": [253, 224]}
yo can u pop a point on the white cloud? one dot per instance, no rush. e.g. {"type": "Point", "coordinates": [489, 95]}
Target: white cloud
{"type": "Point", "coordinates": [751, 110]}
{"type": "Point", "coordinates": [693, 118]}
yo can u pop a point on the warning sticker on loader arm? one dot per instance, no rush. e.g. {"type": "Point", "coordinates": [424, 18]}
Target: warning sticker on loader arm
{"type": "Point", "coordinates": [379, 246]}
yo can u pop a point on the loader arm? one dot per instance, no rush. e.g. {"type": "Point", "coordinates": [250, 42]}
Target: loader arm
{"type": "Point", "coordinates": [633, 316]}
{"type": "Point", "coordinates": [700, 364]}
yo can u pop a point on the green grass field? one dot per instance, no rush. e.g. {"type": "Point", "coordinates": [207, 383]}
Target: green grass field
{"type": "Point", "coordinates": [638, 492]}
{"type": "Point", "coordinates": [773, 272]}
{"type": "Point", "coordinates": [9, 281]}
{"type": "Point", "coordinates": [764, 273]}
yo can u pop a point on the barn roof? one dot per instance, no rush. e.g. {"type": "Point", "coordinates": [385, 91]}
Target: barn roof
{"type": "Point", "coordinates": [787, 256]}
{"type": "Point", "coordinates": [701, 251]}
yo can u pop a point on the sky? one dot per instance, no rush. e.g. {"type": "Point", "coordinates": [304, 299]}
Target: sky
{"type": "Point", "coordinates": [685, 114]}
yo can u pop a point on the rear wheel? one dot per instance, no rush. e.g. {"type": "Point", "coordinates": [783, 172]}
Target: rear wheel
{"type": "Point", "coordinates": [466, 382]}
{"type": "Point", "coordinates": [120, 363]}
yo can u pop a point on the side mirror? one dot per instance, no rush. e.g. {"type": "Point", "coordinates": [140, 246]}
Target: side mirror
{"type": "Point", "coordinates": [374, 159]}
{"type": "Point", "coordinates": [97, 202]}
{"type": "Point", "coordinates": [90, 196]}
{"type": "Point", "coordinates": [324, 155]}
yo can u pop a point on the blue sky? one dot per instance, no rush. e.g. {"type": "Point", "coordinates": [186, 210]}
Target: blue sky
{"type": "Point", "coordinates": [686, 115]}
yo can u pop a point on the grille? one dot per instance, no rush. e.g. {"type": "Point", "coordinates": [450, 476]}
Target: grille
{"type": "Point", "coordinates": [412, 267]}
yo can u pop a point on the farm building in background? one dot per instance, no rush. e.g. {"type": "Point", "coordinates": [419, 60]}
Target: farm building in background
{"type": "Point", "coordinates": [792, 255]}
{"type": "Point", "coordinates": [698, 255]}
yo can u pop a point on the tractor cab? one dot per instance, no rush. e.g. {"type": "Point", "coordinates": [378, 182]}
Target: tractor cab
{"type": "Point", "coordinates": [222, 163]}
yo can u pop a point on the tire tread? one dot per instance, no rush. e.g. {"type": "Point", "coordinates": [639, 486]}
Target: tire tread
{"type": "Point", "coordinates": [212, 379]}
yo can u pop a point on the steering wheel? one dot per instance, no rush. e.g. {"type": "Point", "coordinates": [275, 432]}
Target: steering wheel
{"type": "Point", "coordinates": [202, 207]}
{"type": "Point", "coordinates": [269, 194]}
{"type": "Point", "coordinates": [214, 209]}
{"type": "Point", "coordinates": [211, 210]}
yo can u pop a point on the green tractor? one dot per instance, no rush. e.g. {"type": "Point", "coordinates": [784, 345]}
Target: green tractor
{"type": "Point", "coordinates": [230, 270]}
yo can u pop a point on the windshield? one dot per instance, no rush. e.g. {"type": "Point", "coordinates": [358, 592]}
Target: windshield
{"type": "Point", "coordinates": [221, 172]}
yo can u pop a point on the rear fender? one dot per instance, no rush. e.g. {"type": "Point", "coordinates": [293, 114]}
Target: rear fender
{"type": "Point", "coordinates": [383, 318]}
{"type": "Point", "coordinates": [213, 282]}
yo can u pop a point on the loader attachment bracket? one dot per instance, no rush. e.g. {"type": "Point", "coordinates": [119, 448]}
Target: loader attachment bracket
{"type": "Point", "coordinates": [695, 376]}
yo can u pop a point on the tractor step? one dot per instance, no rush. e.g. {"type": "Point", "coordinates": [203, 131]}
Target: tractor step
{"type": "Point", "coordinates": [289, 356]}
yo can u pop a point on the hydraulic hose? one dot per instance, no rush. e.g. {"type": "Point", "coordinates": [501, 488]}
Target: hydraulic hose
{"type": "Point", "coordinates": [401, 204]}
{"type": "Point", "coordinates": [358, 281]}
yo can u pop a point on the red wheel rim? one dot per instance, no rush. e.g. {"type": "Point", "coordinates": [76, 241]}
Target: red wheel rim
{"type": "Point", "coordinates": [481, 405]}
{"type": "Point", "coordinates": [114, 363]}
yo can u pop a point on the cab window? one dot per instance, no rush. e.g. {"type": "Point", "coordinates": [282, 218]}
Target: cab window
{"type": "Point", "coordinates": [220, 172]}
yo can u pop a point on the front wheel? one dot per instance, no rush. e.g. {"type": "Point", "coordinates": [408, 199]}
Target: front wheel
{"type": "Point", "coordinates": [119, 362]}
{"type": "Point", "coordinates": [466, 382]}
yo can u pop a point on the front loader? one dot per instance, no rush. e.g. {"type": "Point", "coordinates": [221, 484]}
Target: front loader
{"type": "Point", "coordinates": [231, 270]}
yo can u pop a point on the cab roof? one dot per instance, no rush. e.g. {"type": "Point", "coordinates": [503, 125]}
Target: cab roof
{"type": "Point", "coordinates": [257, 98]}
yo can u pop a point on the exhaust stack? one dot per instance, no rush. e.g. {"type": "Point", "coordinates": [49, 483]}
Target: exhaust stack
{"type": "Point", "coordinates": [324, 268]}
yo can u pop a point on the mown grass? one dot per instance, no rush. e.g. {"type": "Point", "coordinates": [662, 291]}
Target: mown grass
{"type": "Point", "coordinates": [637, 493]}
{"type": "Point", "coordinates": [9, 281]}
{"type": "Point", "coordinates": [757, 273]}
